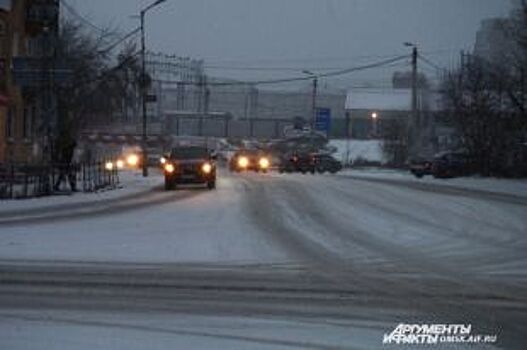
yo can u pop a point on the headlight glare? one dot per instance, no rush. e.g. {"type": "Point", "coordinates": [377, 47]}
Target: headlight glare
{"type": "Point", "coordinates": [264, 163]}
{"type": "Point", "coordinates": [133, 160]}
{"type": "Point", "coordinates": [207, 168]}
{"type": "Point", "coordinates": [243, 162]}
{"type": "Point", "coordinates": [109, 166]}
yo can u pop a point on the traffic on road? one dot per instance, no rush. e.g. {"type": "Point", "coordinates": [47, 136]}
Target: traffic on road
{"type": "Point", "coordinates": [269, 175]}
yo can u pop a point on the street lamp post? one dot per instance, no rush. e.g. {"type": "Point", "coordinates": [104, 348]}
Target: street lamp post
{"type": "Point", "coordinates": [143, 84]}
{"type": "Point", "coordinates": [313, 106]}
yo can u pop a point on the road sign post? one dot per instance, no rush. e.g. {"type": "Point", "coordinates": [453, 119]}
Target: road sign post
{"type": "Point", "coordinates": [323, 120]}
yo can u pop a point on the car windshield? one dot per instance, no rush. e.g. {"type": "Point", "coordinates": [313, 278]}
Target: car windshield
{"type": "Point", "coordinates": [263, 174]}
{"type": "Point", "coordinates": [190, 153]}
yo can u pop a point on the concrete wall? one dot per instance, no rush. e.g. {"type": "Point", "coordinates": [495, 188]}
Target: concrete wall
{"type": "Point", "coordinates": [245, 102]}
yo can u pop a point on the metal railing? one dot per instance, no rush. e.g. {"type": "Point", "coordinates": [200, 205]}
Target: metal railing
{"type": "Point", "coordinates": [19, 181]}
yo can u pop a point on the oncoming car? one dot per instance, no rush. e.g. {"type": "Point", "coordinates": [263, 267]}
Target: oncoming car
{"type": "Point", "coordinates": [190, 165]}
{"type": "Point", "coordinates": [250, 160]}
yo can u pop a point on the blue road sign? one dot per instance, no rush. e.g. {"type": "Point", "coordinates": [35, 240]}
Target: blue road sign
{"type": "Point", "coordinates": [323, 120]}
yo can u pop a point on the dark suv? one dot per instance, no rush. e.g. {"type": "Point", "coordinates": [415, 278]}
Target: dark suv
{"type": "Point", "coordinates": [309, 163]}
{"type": "Point", "coordinates": [452, 164]}
{"type": "Point", "coordinates": [190, 165]}
{"type": "Point", "coordinates": [326, 163]}
{"type": "Point", "coordinates": [297, 162]}
{"type": "Point", "coordinates": [420, 167]}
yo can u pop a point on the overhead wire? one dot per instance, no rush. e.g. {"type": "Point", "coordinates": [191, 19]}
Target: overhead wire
{"type": "Point", "coordinates": [112, 46]}
{"type": "Point", "coordinates": [80, 17]}
{"type": "Point", "coordinates": [294, 79]}
{"type": "Point", "coordinates": [431, 63]}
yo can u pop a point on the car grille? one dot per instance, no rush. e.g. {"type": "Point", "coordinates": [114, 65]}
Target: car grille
{"type": "Point", "coordinates": [189, 169]}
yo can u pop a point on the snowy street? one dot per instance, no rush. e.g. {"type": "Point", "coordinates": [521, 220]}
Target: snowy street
{"type": "Point", "coordinates": [266, 261]}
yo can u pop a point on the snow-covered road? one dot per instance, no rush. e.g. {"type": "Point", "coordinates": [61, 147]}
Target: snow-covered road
{"type": "Point", "coordinates": [360, 255]}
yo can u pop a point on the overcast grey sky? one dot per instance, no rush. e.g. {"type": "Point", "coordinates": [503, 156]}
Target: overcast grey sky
{"type": "Point", "coordinates": [301, 33]}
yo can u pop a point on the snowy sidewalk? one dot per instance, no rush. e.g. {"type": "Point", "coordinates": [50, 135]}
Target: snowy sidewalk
{"type": "Point", "coordinates": [513, 187]}
{"type": "Point", "coordinates": [131, 184]}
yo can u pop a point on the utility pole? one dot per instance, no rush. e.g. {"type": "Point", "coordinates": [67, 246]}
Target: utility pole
{"type": "Point", "coordinates": [314, 106]}
{"type": "Point", "coordinates": [314, 98]}
{"type": "Point", "coordinates": [348, 137]}
{"type": "Point", "coordinates": [144, 83]}
{"type": "Point", "coordinates": [414, 125]}
{"type": "Point", "coordinates": [415, 112]}
{"type": "Point", "coordinates": [143, 95]}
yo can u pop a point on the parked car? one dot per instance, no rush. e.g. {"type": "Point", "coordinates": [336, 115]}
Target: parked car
{"type": "Point", "coordinates": [297, 162]}
{"type": "Point", "coordinates": [190, 165]}
{"type": "Point", "coordinates": [452, 164]}
{"type": "Point", "coordinates": [420, 167]}
{"type": "Point", "coordinates": [326, 163]}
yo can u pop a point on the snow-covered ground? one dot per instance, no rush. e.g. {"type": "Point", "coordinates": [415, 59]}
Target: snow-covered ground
{"type": "Point", "coordinates": [131, 182]}
{"type": "Point", "coordinates": [193, 225]}
{"type": "Point", "coordinates": [516, 187]}
{"type": "Point", "coordinates": [96, 330]}
{"type": "Point", "coordinates": [389, 249]}
{"type": "Point", "coordinates": [364, 150]}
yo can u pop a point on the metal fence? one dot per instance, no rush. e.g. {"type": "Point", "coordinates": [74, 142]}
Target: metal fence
{"type": "Point", "coordinates": [19, 181]}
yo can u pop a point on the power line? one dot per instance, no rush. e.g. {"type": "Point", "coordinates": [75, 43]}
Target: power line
{"type": "Point", "coordinates": [273, 69]}
{"type": "Point", "coordinates": [431, 64]}
{"type": "Point", "coordinates": [83, 19]}
{"type": "Point", "coordinates": [294, 79]}
{"type": "Point", "coordinates": [235, 63]}
{"type": "Point", "coordinates": [100, 78]}
{"type": "Point", "coordinates": [118, 42]}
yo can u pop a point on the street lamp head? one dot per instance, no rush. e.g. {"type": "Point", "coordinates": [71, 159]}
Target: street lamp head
{"type": "Point", "coordinates": [151, 6]}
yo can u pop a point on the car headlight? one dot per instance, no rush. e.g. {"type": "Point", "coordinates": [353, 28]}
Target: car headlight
{"type": "Point", "coordinates": [264, 163]}
{"type": "Point", "coordinates": [243, 162]}
{"type": "Point", "coordinates": [170, 168]}
{"type": "Point", "coordinates": [206, 168]}
{"type": "Point", "coordinates": [163, 160]}
{"type": "Point", "coordinates": [132, 160]}
{"type": "Point", "coordinates": [120, 164]}
{"type": "Point", "coordinates": [109, 166]}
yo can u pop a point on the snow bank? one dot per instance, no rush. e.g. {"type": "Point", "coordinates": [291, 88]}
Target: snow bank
{"type": "Point", "coordinates": [130, 182]}
{"type": "Point", "coordinates": [367, 150]}
{"type": "Point", "coordinates": [516, 187]}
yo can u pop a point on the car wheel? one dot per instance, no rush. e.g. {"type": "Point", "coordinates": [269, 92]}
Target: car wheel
{"type": "Point", "coordinates": [169, 185]}
{"type": "Point", "coordinates": [211, 185]}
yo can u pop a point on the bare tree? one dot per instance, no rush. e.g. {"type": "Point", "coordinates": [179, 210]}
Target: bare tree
{"type": "Point", "coordinates": [395, 142]}
{"type": "Point", "coordinates": [476, 99]}
{"type": "Point", "coordinates": [96, 89]}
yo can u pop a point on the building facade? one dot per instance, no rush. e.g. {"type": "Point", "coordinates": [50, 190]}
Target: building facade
{"type": "Point", "coordinates": [28, 25]}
